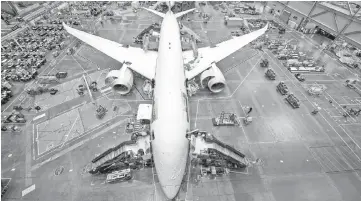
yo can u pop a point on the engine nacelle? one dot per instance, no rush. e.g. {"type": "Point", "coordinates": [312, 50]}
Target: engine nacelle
{"type": "Point", "coordinates": [120, 80]}
{"type": "Point", "coordinates": [214, 79]}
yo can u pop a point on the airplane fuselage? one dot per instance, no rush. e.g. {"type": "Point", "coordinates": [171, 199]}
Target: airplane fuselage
{"type": "Point", "coordinates": [170, 109]}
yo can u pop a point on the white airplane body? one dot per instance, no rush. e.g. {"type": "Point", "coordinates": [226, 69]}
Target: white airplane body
{"type": "Point", "coordinates": [171, 120]}
{"type": "Point", "coordinates": [165, 68]}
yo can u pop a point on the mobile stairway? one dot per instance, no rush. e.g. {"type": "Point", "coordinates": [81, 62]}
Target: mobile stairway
{"type": "Point", "coordinates": [118, 153]}
{"type": "Point", "coordinates": [203, 142]}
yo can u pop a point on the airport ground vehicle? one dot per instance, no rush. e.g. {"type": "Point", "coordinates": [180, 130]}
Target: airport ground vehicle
{"type": "Point", "coordinates": [282, 88]}
{"type": "Point", "coordinates": [293, 101]}
{"type": "Point", "coordinates": [226, 119]}
{"type": "Point", "coordinates": [270, 74]}
{"type": "Point", "coordinates": [122, 175]}
{"type": "Point", "coordinates": [300, 77]}
{"type": "Point", "coordinates": [264, 63]}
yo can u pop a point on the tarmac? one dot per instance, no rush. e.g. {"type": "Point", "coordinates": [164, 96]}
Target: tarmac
{"type": "Point", "coordinates": [304, 156]}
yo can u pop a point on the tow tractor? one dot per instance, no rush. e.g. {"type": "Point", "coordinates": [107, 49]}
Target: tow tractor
{"type": "Point", "coordinates": [300, 77]}
{"type": "Point", "coordinates": [350, 84]}
{"type": "Point", "coordinates": [15, 117]}
{"type": "Point", "coordinates": [247, 120]}
{"type": "Point", "coordinates": [315, 111]}
{"type": "Point", "coordinates": [100, 112]}
{"type": "Point", "coordinates": [11, 128]}
{"type": "Point", "coordinates": [80, 90]}
{"type": "Point", "coordinates": [226, 119]}
{"type": "Point", "coordinates": [122, 175]}
{"type": "Point", "coordinates": [53, 91]}
{"type": "Point", "coordinates": [61, 75]}
{"type": "Point", "coordinates": [293, 101]}
{"type": "Point", "coordinates": [282, 88]}
{"type": "Point", "coordinates": [93, 86]}
{"type": "Point", "coordinates": [270, 74]}
{"type": "Point", "coordinates": [281, 30]}
{"type": "Point", "coordinates": [264, 63]}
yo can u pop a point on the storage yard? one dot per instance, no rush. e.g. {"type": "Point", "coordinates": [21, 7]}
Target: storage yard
{"type": "Point", "coordinates": [285, 127]}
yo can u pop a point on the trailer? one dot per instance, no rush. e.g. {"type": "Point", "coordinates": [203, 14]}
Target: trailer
{"type": "Point", "coordinates": [61, 75]}
{"type": "Point", "coordinates": [226, 119]}
{"type": "Point", "coordinates": [293, 101]}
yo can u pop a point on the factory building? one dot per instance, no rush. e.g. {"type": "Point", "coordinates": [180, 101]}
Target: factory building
{"type": "Point", "coordinates": [335, 19]}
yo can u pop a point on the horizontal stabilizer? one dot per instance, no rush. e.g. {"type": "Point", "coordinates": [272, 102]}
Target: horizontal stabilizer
{"type": "Point", "coordinates": [183, 12]}
{"type": "Point", "coordinates": [155, 12]}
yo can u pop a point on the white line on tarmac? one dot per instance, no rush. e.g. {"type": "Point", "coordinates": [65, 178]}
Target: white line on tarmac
{"type": "Point", "coordinates": [189, 169]}
{"type": "Point", "coordinates": [358, 146]}
{"type": "Point", "coordinates": [317, 159]}
{"type": "Point", "coordinates": [63, 152]}
{"type": "Point", "coordinates": [350, 124]}
{"type": "Point", "coordinates": [245, 134]}
{"type": "Point", "coordinates": [106, 89]}
{"type": "Point", "coordinates": [67, 135]}
{"type": "Point", "coordinates": [28, 190]}
{"type": "Point", "coordinates": [195, 123]}
{"type": "Point", "coordinates": [155, 187]}
{"type": "Point", "coordinates": [350, 103]}
{"type": "Point", "coordinates": [39, 116]}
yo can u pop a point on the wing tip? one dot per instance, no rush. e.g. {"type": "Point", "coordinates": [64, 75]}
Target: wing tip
{"type": "Point", "coordinates": [266, 27]}
{"type": "Point", "coordinates": [66, 27]}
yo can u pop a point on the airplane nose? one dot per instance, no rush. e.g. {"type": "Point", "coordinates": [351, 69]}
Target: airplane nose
{"type": "Point", "coordinates": [170, 191]}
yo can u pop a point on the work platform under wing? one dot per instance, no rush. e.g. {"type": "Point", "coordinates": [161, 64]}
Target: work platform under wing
{"type": "Point", "coordinates": [206, 144]}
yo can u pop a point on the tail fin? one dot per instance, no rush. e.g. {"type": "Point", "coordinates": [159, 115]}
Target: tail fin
{"type": "Point", "coordinates": [184, 12]}
{"type": "Point", "coordinates": [155, 12]}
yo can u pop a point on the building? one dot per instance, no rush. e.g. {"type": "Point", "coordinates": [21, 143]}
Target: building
{"type": "Point", "coordinates": [338, 21]}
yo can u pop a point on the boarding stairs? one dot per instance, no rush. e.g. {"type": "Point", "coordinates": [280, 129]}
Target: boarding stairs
{"type": "Point", "coordinates": [208, 142]}
{"type": "Point", "coordinates": [143, 142]}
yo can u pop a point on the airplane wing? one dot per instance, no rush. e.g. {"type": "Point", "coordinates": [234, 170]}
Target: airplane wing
{"type": "Point", "coordinates": [208, 55]}
{"type": "Point", "coordinates": [142, 62]}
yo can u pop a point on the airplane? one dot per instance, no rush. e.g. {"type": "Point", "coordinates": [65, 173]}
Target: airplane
{"type": "Point", "coordinates": [171, 120]}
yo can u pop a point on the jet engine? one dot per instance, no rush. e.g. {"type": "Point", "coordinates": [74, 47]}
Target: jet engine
{"type": "Point", "coordinates": [120, 80]}
{"type": "Point", "coordinates": [213, 78]}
